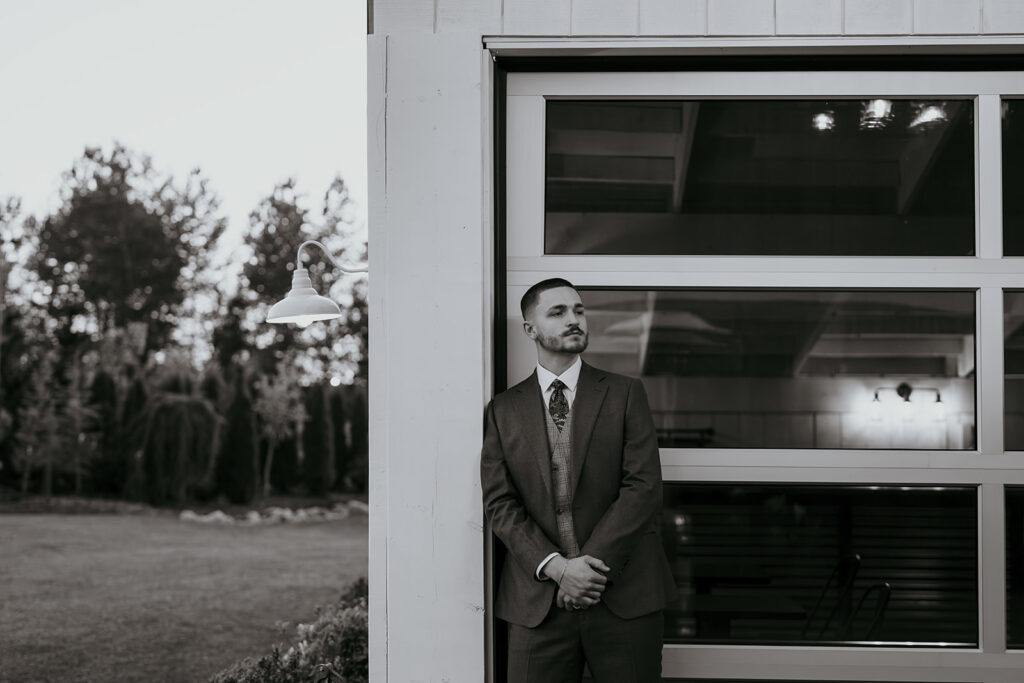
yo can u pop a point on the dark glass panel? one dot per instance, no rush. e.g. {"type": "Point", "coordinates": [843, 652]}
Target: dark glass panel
{"type": "Point", "coordinates": [822, 564]}
{"type": "Point", "coordinates": [793, 368]}
{"type": "Point", "coordinates": [1015, 566]}
{"type": "Point", "coordinates": [757, 177]}
{"type": "Point", "coordinates": [1013, 177]}
{"type": "Point", "coordinates": [1013, 370]}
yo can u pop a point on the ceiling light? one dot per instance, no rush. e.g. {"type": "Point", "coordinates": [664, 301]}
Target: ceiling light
{"type": "Point", "coordinates": [824, 121]}
{"type": "Point", "coordinates": [927, 115]}
{"type": "Point", "coordinates": [875, 114]}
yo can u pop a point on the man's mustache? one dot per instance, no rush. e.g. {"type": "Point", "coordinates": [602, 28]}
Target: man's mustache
{"type": "Point", "coordinates": [572, 330]}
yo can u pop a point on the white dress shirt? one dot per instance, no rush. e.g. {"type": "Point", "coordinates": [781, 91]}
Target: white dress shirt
{"type": "Point", "coordinates": [570, 378]}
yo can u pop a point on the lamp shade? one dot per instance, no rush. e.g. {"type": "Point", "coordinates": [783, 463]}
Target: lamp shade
{"type": "Point", "coordinates": [303, 305]}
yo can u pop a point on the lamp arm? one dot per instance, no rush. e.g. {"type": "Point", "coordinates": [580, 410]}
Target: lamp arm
{"type": "Point", "coordinates": [330, 257]}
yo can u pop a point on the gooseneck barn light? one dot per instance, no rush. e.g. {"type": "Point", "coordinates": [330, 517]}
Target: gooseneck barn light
{"type": "Point", "coordinates": [303, 305]}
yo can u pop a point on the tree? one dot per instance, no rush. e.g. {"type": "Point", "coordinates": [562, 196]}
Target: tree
{"type": "Point", "coordinates": [237, 467]}
{"type": "Point", "coordinates": [39, 434]}
{"type": "Point", "coordinates": [126, 246]}
{"type": "Point", "coordinates": [178, 433]}
{"type": "Point", "coordinates": [280, 408]}
{"type": "Point", "coordinates": [318, 467]}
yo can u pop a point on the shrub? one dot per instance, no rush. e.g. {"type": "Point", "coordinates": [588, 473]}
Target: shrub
{"type": "Point", "coordinates": [332, 649]}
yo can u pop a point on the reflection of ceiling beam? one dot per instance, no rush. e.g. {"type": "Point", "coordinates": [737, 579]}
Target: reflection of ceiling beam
{"type": "Point", "coordinates": [683, 153]}
{"type": "Point", "coordinates": [919, 155]}
{"type": "Point", "coordinates": [813, 337]}
{"type": "Point", "coordinates": [667, 233]}
{"type": "Point", "coordinates": [804, 173]}
{"type": "Point", "coordinates": [604, 143]}
{"type": "Point", "coordinates": [1013, 318]}
{"type": "Point", "coordinates": [854, 346]}
{"type": "Point", "coordinates": [957, 350]}
{"type": "Point", "coordinates": [645, 335]}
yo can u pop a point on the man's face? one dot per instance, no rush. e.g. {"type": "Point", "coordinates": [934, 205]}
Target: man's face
{"type": "Point", "coordinates": [557, 323]}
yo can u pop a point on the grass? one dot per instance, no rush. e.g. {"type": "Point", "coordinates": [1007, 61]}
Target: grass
{"type": "Point", "coordinates": [151, 598]}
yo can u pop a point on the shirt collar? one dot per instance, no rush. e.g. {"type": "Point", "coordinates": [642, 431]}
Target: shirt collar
{"type": "Point", "coordinates": [570, 377]}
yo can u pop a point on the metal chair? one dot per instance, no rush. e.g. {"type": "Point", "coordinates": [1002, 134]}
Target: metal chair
{"type": "Point", "coordinates": [883, 592]}
{"type": "Point", "coordinates": [842, 577]}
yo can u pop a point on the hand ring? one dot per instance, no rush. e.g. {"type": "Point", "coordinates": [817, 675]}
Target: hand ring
{"type": "Point", "coordinates": [575, 605]}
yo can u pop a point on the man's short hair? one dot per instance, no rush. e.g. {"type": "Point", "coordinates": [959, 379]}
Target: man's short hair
{"type": "Point", "coordinates": [529, 299]}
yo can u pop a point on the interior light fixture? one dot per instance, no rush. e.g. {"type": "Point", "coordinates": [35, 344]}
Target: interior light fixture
{"type": "Point", "coordinates": [875, 114]}
{"type": "Point", "coordinates": [908, 410]}
{"type": "Point", "coordinates": [938, 408]}
{"type": "Point", "coordinates": [875, 412]}
{"type": "Point", "coordinates": [824, 120]}
{"type": "Point", "coordinates": [303, 305]}
{"type": "Point", "coordinates": [926, 115]}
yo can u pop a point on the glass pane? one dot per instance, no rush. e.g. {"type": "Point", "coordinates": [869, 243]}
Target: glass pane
{"type": "Point", "coordinates": [1013, 177]}
{"type": "Point", "coordinates": [794, 564]}
{"type": "Point", "coordinates": [787, 368]}
{"type": "Point", "coordinates": [1013, 369]}
{"type": "Point", "coordinates": [1015, 566]}
{"type": "Point", "coordinates": [755, 177]}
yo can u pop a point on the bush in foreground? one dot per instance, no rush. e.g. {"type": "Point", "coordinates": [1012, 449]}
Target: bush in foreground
{"type": "Point", "coordinates": [332, 649]}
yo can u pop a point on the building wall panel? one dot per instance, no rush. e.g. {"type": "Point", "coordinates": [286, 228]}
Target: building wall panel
{"type": "Point", "coordinates": [601, 17]}
{"type": "Point", "coordinates": [673, 17]}
{"type": "Point", "coordinates": [878, 17]}
{"type": "Point", "coordinates": [947, 17]}
{"type": "Point", "coordinates": [403, 15]}
{"type": "Point", "coordinates": [741, 17]}
{"type": "Point", "coordinates": [427, 395]}
{"type": "Point", "coordinates": [537, 17]}
{"type": "Point", "coordinates": [1002, 16]}
{"type": "Point", "coordinates": [808, 17]}
{"type": "Point", "coordinates": [483, 16]}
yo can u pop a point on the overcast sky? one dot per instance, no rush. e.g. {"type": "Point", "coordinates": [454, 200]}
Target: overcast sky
{"type": "Point", "coordinates": [249, 91]}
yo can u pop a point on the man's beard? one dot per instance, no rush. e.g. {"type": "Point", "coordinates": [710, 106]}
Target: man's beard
{"type": "Point", "coordinates": [564, 344]}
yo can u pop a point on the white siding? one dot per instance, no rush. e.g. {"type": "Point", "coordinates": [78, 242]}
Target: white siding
{"type": "Point", "coordinates": [673, 17]}
{"type": "Point", "coordinates": [808, 17]}
{"type": "Point", "coordinates": [741, 17]}
{"type": "Point", "coordinates": [878, 17]}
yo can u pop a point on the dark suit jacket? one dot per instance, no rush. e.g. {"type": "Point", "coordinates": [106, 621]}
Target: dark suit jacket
{"type": "Point", "coordinates": [616, 479]}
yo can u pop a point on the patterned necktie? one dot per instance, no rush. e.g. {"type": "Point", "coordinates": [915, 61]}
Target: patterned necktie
{"type": "Point", "coordinates": [558, 406]}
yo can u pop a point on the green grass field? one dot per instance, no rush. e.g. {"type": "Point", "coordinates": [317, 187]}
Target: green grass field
{"type": "Point", "coordinates": [150, 598]}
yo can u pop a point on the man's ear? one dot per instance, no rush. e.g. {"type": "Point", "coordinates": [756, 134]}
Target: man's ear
{"type": "Point", "coordinates": [529, 329]}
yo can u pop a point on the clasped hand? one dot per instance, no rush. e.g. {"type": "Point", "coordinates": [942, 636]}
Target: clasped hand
{"type": "Point", "coordinates": [582, 582]}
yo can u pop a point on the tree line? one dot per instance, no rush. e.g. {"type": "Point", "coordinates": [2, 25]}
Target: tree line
{"type": "Point", "coordinates": [136, 363]}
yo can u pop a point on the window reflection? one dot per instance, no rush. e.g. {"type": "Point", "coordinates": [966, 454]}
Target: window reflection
{"type": "Point", "coordinates": [1015, 566]}
{"type": "Point", "coordinates": [789, 368]}
{"type": "Point", "coordinates": [798, 177]}
{"type": "Point", "coordinates": [822, 564]}
{"type": "Point", "coordinates": [1013, 177]}
{"type": "Point", "coordinates": [1013, 368]}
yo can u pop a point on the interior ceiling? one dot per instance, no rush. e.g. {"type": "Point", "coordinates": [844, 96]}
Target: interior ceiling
{"type": "Point", "coordinates": [799, 334]}
{"type": "Point", "coordinates": [741, 157]}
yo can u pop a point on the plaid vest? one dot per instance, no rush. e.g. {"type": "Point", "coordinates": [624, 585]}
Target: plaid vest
{"type": "Point", "coordinates": [560, 443]}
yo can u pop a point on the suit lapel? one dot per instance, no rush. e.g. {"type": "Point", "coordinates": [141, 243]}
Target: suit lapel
{"type": "Point", "coordinates": [590, 392]}
{"type": "Point", "coordinates": [530, 411]}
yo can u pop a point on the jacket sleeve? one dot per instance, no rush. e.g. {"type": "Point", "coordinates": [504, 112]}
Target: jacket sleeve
{"type": "Point", "coordinates": [640, 494]}
{"type": "Point", "coordinates": [503, 504]}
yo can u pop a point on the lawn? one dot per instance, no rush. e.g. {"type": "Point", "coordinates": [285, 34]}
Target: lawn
{"type": "Point", "coordinates": [151, 598]}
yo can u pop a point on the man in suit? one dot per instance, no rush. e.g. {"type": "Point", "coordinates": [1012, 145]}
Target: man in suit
{"type": "Point", "coordinates": [572, 486]}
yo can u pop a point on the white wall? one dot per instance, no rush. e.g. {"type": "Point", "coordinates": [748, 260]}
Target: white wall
{"type": "Point", "coordinates": [431, 282]}
{"type": "Point", "coordinates": [701, 17]}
